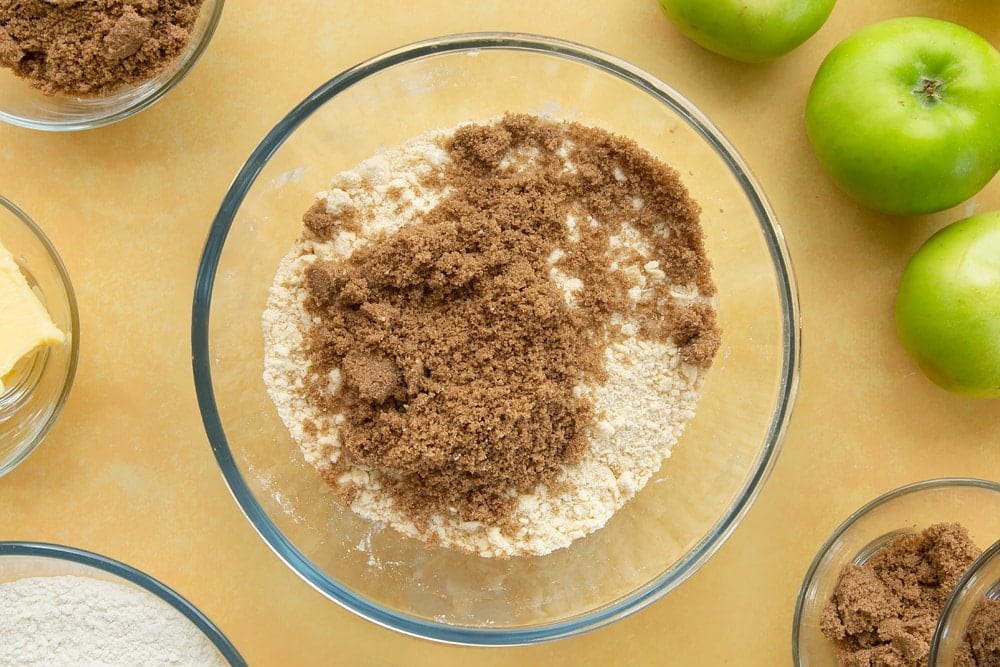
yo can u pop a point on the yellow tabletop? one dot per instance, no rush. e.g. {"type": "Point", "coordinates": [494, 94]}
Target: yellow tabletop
{"type": "Point", "coordinates": [128, 472]}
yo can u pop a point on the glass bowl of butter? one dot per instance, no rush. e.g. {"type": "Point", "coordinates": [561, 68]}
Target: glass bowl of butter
{"type": "Point", "coordinates": [39, 335]}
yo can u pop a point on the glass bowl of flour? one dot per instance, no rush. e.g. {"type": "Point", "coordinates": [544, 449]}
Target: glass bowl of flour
{"type": "Point", "coordinates": [68, 66]}
{"type": "Point", "coordinates": [64, 606]}
{"type": "Point", "coordinates": [495, 339]}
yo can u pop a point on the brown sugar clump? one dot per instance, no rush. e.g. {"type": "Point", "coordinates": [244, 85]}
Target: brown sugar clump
{"type": "Point", "coordinates": [10, 53]}
{"type": "Point", "coordinates": [323, 224]}
{"type": "Point", "coordinates": [981, 645]}
{"type": "Point", "coordinates": [884, 611]}
{"type": "Point", "coordinates": [375, 378]}
{"type": "Point", "coordinates": [695, 331]}
{"type": "Point", "coordinates": [458, 354]}
{"type": "Point", "coordinates": [127, 35]}
{"type": "Point", "coordinates": [93, 47]}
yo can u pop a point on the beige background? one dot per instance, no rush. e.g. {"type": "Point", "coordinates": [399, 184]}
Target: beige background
{"type": "Point", "coordinates": [128, 472]}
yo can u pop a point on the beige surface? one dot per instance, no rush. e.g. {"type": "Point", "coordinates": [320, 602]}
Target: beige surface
{"type": "Point", "coordinates": [128, 472]}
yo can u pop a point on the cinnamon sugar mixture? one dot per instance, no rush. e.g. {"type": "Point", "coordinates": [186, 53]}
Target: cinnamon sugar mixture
{"type": "Point", "coordinates": [490, 337]}
{"type": "Point", "coordinates": [92, 47]}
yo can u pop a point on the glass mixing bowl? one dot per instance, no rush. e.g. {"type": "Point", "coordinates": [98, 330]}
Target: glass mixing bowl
{"type": "Point", "coordinates": [30, 404]}
{"type": "Point", "coordinates": [20, 560]}
{"type": "Point", "coordinates": [973, 503]}
{"type": "Point", "coordinates": [686, 511]}
{"type": "Point", "coordinates": [24, 105]}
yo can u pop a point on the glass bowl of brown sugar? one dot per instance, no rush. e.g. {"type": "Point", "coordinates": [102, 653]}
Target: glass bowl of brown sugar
{"type": "Point", "coordinates": [526, 360]}
{"type": "Point", "coordinates": [967, 632]}
{"type": "Point", "coordinates": [878, 589]}
{"type": "Point", "coordinates": [78, 65]}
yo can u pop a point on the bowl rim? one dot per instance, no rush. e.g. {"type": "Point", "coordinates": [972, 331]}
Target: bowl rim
{"type": "Point", "coordinates": [134, 576]}
{"type": "Point", "coordinates": [74, 334]}
{"type": "Point", "coordinates": [188, 59]}
{"type": "Point", "coordinates": [787, 385]}
{"type": "Point", "coordinates": [853, 518]}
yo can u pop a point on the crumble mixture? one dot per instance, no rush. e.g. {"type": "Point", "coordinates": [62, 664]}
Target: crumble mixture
{"type": "Point", "coordinates": [90, 48]}
{"type": "Point", "coordinates": [884, 612]}
{"type": "Point", "coordinates": [490, 337]}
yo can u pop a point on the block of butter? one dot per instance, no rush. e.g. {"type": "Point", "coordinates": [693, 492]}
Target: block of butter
{"type": "Point", "coordinates": [25, 324]}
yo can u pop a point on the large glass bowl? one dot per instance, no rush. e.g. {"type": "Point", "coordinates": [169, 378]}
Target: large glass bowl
{"type": "Point", "coordinates": [21, 560]}
{"type": "Point", "coordinates": [682, 516]}
{"type": "Point", "coordinates": [31, 403]}
{"type": "Point", "coordinates": [24, 105]}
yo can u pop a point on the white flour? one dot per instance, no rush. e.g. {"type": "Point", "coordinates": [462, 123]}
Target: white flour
{"type": "Point", "coordinates": [642, 408]}
{"type": "Point", "coordinates": [76, 621]}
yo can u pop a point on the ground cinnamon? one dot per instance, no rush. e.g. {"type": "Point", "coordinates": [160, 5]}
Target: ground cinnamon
{"type": "Point", "coordinates": [884, 611]}
{"type": "Point", "coordinates": [92, 47]}
{"type": "Point", "coordinates": [458, 352]}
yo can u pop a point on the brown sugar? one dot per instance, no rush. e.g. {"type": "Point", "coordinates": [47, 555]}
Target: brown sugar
{"type": "Point", "coordinates": [459, 354]}
{"type": "Point", "coordinates": [92, 47]}
{"type": "Point", "coordinates": [981, 645]}
{"type": "Point", "coordinates": [884, 611]}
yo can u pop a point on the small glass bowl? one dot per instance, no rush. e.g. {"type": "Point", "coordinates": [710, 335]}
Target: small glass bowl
{"type": "Point", "coordinates": [20, 560]}
{"type": "Point", "coordinates": [682, 516]}
{"type": "Point", "coordinates": [30, 405]}
{"type": "Point", "coordinates": [24, 105]}
{"type": "Point", "coordinates": [973, 503]}
{"type": "Point", "coordinates": [981, 581]}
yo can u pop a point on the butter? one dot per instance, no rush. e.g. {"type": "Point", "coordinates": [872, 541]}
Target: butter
{"type": "Point", "coordinates": [25, 324]}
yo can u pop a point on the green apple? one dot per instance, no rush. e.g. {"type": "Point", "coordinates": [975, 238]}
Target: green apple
{"type": "Point", "coordinates": [948, 306]}
{"type": "Point", "coordinates": [749, 30]}
{"type": "Point", "coordinates": [904, 115]}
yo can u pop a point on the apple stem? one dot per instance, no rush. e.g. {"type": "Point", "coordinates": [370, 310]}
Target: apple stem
{"type": "Point", "coordinates": [929, 91]}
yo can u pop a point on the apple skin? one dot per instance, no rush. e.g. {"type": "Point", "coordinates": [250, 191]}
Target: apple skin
{"type": "Point", "coordinates": [882, 141]}
{"type": "Point", "coordinates": [948, 306]}
{"type": "Point", "coordinates": [751, 31]}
